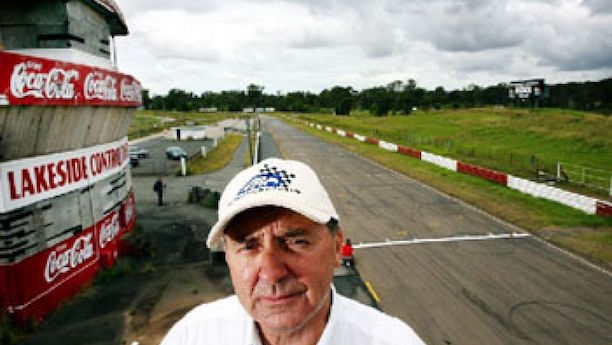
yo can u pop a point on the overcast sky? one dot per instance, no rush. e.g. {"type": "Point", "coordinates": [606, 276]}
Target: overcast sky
{"type": "Point", "coordinates": [296, 45]}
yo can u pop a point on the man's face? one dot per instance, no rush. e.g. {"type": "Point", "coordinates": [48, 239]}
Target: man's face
{"type": "Point", "coordinates": [282, 265]}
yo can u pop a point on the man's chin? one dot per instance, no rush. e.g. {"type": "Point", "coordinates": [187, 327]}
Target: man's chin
{"type": "Point", "coordinates": [283, 317]}
{"type": "Point", "coordinates": [283, 324]}
{"type": "Point", "coordinates": [286, 318]}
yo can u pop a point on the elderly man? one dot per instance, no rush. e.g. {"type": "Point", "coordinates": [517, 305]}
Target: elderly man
{"type": "Point", "coordinates": [282, 242]}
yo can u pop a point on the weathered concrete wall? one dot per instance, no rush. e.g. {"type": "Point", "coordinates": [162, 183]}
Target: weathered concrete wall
{"type": "Point", "coordinates": [91, 26]}
{"type": "Point", "coordinates": [22, 23]}
{"type": "Point", "coordinates": [53, 24]}
{"type": "Point", "coordinates": [37, 130]}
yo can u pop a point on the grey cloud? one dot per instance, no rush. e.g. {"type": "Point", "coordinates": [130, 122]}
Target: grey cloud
{"type": "Point", "coordinates": [474, 38]}
{"type": "Point", "coordinates": [599, 6]}
{"type": "Point", "coordinates": [498, 62]}
{"type": "Point", "coordinates": [323, 7]}
{"type": "Point", "coordinates": [300, 44]}
{"type": "Point", "coordinates": [309, 40]}
{"type": "Point", "coordinates": [378, 50]}
{"type": "Point", "coordinates": [134, 8]}
{"type": "Point", "coordinates": [454, 7]}
{"type": "Point", "coordinates": [572, 45]}
{"type": "Point", "coordinates": [583, 56]}
{"type": "Point", "coordinates": [365, 26]}
{"type": "Point", "coordinates": [471, 27]}
{"type": "Point", "coordinates": [164, 50]}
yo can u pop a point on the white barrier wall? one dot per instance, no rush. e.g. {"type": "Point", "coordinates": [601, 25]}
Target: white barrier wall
{"type": "Point", "coordinates": [441, 161]}
{"type": "Point", "coordinates": [387, 146]}
{"type": "Point", "coordinates": [584, 203]}
{"type": "Point", "coordinates": [359, 137]}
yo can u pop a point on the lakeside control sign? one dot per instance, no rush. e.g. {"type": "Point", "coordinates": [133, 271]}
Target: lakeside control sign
{"type": "Point", "coordinates": [29, 80]}
{"type": "Point", "coordinates": [26, 181]}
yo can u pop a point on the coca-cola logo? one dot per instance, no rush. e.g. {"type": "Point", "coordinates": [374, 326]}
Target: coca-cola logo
{"type": "Point", "coordinates": [130, 91]}
{"type": "Point", "coordinates": [28, 80]}
{"type": "Point", "coordinates": [61, 262]}
{"type": "Point", "coordinates": [109, 229]}
{"type": "Point", "coordinates": [100, 86]}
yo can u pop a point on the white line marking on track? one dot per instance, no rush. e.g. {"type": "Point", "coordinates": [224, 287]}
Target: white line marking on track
{"type": "Point", "coordinates": [389, 243]}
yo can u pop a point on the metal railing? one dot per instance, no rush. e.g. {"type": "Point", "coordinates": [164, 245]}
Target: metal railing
{"type": "Point", "coordinates": [598, 179]}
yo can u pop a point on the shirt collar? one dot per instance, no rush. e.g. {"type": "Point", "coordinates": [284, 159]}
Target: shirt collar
{"type": "Point", "coordinates": [252, 333]}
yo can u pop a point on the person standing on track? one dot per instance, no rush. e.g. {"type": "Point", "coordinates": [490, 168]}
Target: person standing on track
{"type": "Point", "coordinates": [347, 253]}
{"type": "Point", "coordinates": [158, 188]}
{"type": "Point", "coordinates": [282, 241]}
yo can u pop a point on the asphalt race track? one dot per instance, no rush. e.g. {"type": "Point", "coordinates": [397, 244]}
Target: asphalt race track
{"type": "Point", "coordinates": [490, 291]}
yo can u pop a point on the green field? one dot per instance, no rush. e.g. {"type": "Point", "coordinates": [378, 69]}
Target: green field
{"type": "Point", "coordinates": [587, 235]}
{"type": "Point", "coordinates": [217, 158]}
{"type": "Point", "coordinates": [147, 122]}
{"type": "Point", "coordinates": [516, 141]}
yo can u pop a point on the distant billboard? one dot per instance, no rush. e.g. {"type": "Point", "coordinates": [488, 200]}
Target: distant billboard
{"type": "Point", "coordinates": [526, 89]}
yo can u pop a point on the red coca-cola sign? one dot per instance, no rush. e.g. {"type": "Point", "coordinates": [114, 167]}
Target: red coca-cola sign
{"type": "Point", "coordinates": [36, 277]}
{"type": "Point", "coordinates": [33, 286]}
{"type": "Point", "coordinates": [68, 258]}
{"type": "Point", "coordinates": [29, 80]}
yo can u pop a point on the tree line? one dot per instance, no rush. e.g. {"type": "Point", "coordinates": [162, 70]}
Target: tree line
{"type": "Point", "coordinates": [397, 97]}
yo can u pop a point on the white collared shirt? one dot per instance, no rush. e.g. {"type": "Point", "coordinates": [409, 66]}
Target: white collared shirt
{"type": "Point", "coordinates": [225, 322]}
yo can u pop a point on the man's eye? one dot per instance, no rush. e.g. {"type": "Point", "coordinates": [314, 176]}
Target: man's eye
{"type": "Point", "coordinates": [247, 246]}
{"type": "Point", "coordinates": [297, 242]}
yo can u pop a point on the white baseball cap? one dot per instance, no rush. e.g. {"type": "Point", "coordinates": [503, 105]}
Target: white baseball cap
{"type": "Point", "coordinates": [274, 182]}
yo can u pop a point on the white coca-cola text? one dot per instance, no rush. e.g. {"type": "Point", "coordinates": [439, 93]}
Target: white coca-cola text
{"type": "Point", "coordinates": [100, 86]}
{"type": "Point", "coordinates": [130, 91]}
{"type": "Point", "coordinates": [109, 230]}
{"type": "Point", "coordinates": [28, 80]}
{"type": "Point", "coordinates": [61, 262]}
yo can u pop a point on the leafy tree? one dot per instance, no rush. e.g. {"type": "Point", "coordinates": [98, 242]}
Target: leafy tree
{"type": "Point", "coordinates": [146, 100]}
{"type": "Point", "coordinates": [254, 95]}
{"type": "Point", "coordinates": [397, 97]}
{"type": "Point", "coordinates": [339, 98]}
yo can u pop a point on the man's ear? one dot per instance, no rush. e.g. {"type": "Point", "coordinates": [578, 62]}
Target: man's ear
{"type": "Point", "coordinates": [338, 240]}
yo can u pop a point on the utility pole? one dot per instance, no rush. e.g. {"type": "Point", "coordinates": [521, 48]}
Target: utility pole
{"type": "Point", "coordinates": [248, 126]}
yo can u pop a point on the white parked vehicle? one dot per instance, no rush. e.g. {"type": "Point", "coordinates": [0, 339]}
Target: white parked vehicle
{"type": "Point", "coordinates": [175, 152]}
{"type": "Point", "coordinates": [138, 152]}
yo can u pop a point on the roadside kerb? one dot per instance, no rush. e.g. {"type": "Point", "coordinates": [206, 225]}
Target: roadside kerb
{"type": "Point", "coordinates": [584, 203]}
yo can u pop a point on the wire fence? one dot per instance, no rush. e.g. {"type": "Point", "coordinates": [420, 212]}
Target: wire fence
{"type": "Point", "coordinates": [597, 179]}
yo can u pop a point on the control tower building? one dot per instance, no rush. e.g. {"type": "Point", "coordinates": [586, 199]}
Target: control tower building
{"type": "Point", "coordinates": [66, 194]}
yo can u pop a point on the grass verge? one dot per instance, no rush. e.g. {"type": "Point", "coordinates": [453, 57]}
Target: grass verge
{"type": "Point", "coordinates": [217, 158]}
{"type": "Point", "coordinates": [586, 235]}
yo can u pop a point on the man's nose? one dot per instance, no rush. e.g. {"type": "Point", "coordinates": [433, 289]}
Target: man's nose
{"type": "Point", "coordinates": [273, 267]}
